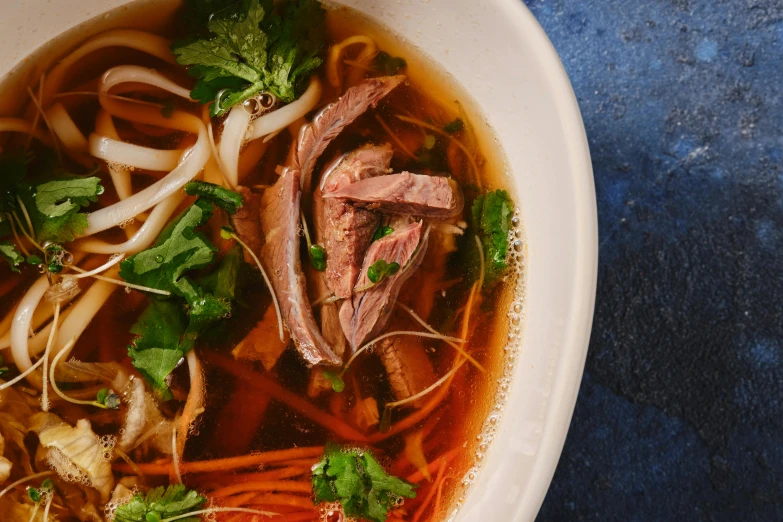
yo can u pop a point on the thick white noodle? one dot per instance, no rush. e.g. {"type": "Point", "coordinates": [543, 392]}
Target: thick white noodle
{"type": "Point", "coordinates": [65, 129]}
{"type": "Point", "coordinates": [122, 153]}
{"type": "Point", "coordinates": [231, 141]}
{"type": "Point", "coordinates": [139, 40]}
{"type": "Point", "coordinates": [120, 175]}
{"type": "Point", "coordinates": [284, 116]}
{"type": "Point", "coordinates": [142, 239]}
{"type": "Point", "coordinates": [23, 317]}
{"type": "Point", "coordinates": [83, 312]}
{"type": "Point", "coordinates": [192, 162]}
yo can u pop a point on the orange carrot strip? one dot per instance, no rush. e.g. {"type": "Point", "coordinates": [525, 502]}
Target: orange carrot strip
{"type": "Point", "coordinates": [263, 485]}
{"type": "Point", "coordinates": [275, 474]}
{"type": "Point", "coordinates": [414, 418]}
{"type": "Point", "coordinates": [446, 458]}
{"type": "Point", "coordinates": [244, 461]}
{"type": "Point", "coordinates": [270, 500]}
{"type": "Point", "coordinates": [438, 497]}
{"type": "Point", "coordinates": [426, 502]}
{"type": "Point", "coordinates": [267, 385]}
{"type": "Point", "coordinates": [238, 500]}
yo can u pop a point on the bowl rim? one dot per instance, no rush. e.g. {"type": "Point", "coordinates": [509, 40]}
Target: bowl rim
{"type": "Point", "coordinates": [577, 335]}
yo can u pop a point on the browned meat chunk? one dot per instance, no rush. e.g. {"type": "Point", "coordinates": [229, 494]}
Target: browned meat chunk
{"type": "Point", "coordinates": [433, 197]}
{"type": "Point", "coordinates": [367, 312]}
{"type": "Point", "coordinates": [280, 256]}
{"type": "Point", "coordinates": [280, 215]}
{"type": "Point", "coordinates": [407, 366]}
{"type": "Point", "coordinates": [315, 137]}
{"type": "Point", "coordinates": [343, 230]}
{"type": "Point", "coordinates": [246, 223]}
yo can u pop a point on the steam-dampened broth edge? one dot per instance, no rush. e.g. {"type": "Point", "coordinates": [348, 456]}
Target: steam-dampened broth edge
{"type": "Point", "coordinates": [498, 327]}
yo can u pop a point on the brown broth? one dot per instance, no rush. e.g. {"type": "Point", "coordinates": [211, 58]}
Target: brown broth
{"type": "Point", "coordinates": [239, 418]}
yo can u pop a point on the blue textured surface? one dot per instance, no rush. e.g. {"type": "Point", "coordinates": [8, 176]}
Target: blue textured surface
{"type": "Point", "coordinates": [680, 415]}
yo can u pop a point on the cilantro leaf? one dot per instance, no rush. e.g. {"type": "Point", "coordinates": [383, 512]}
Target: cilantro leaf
{"type": "Point", "coordinates": [181, 249]}
{"type": "Point", "coordinates": [221, 197]}
{"type": "Point", "coordinates": [168, 328]}
{"type": "Point", "coordinates": [317, 257]}
{"type": "Point", "coordinates": [161, 503]}
{"type": "Point", "coordinates": [249, 49]}
{"type": "Point", "coordinates": [11, 255]}
{"type": "Point", "coordinates": [361, 485]}
{"type": "Point", "coordinates": [381, 232]}
{"type": "Point", "coordinates": [492, 220]}
{"type": "Point", "coordinates": [54, 207]}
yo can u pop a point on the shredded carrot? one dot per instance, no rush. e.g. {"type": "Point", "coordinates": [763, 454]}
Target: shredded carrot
{"type": "Point", "coordinates": [280, 499]}
{"type": "Point", "coordinates": [267, 385]}
{"type": "Point", "coordinates": [446, 459]}
{"type": "Point", "coordinates": [308, 463]}
{"type": "Point", "coordinates": [438, 497]}
{"type": "Point", "coordinates": [263, 485]}
{"type": "Point", "coordinates": [208, 466]}
{"type": "Point", "coordinates": [426, 502]}
{"type": "Point", "coordinates": [238, 500]}
{"type": "Point", "coordinates": [414, 418]}
{"type": "Point", "coordinates": [275, 474]}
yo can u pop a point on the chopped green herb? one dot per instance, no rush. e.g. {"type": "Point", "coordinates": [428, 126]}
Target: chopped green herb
{"type": "Point", "coordinates": [334, 377]}
{"type": "Point", "coordinates": [221, 197]}
{"type": "Point", "coordinates": [54, 207]}
{"type": "Point", "coordinates": [47, 484]}
{"type": "Point", "coordinates": [381, 232]}
{"type": "Point", "coordinates": [249, 49]}
{"type": "Point", "coordinates": [492, 214]}
{"type": "Point", "coordinates": [388, 64]}
{"type": "Point", "coordinates": [4, 369]}
{"type": "Point", "coordinates": [455, 126]}
{"type": "Point", "coordinates": [381, 269]}
{"type": "Point", "coordinates": [11, 255]}
{"type": "Point", "coordinates": [161, 503]}
{"type": "Point", "coordinates": [318, 257]}
{"type": "Point", "coordinates": [359, 483]}
{"type": "Point", "coordinates": [429, 141]}
{"type": "Point", "coordinates": [34, 494]}
{"type": "Point", "coordinates": [34, 260]}
{"type": "Point", "coordinates": [108, 398]}
{"type": "Point", "coordinates": [168, 329]}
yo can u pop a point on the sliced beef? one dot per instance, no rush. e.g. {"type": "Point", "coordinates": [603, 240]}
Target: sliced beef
{"type": "Point", "coordinates": [316, 136]}
{"type": "Point", "coordinates": [407, 366]}
{"type": "Point", "coordinates": [246, 223]}
{"type": "Point", "coordinates": [367, 313]}
{"type": "Point", "coordinates": [344, 230]}
{"type": "Point", "coordinates": [433, 197]}
{"type": "Point", "coordinates": [280, 256]}
{"type": "Point", "coordinates": [280, 215]}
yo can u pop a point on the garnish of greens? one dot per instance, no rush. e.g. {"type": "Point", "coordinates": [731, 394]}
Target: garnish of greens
{"type": "Point", "coordinates": [492, 214]}
{"type": "Point", "coordinates": [108, 399]}
{"type": "Point", "coordinates": [245, 48]}
{"type": "Point", "coordinates": [167, 330]}
{"type": "Point", "coordinates": [454, 126]}
{"type": "Point", "coordinates": [318, 257]}
{"type": "Point", "coordinates": [359, 483]}
{"type": "Point", "coordinates": [380, 270]}
{"type": "Point", "coordinates": [53, 207]}
{"type": "Point", "coordinates": [36, 494]}
{"type": "Point", "coordinates": [4, 369]}
{"type": "Point", "coordinates": [388, 64]}
{"type": "Point", "coordinates": [161, 504]}
{"type": "Point", "coordinates": [335, 377]}
{"type": "Point", "coordinates": [381, 232]}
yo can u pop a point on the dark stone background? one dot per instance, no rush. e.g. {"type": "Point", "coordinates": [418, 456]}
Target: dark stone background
{"type": "Point", "coordinates": [680, 415]}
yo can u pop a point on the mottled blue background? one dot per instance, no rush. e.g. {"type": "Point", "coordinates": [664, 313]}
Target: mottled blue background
{"type": "Point", "coordinates": [680, 415]}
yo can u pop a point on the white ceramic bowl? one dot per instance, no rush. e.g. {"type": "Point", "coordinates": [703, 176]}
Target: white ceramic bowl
{"type": "Point", "coordinates": [499, 54]}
